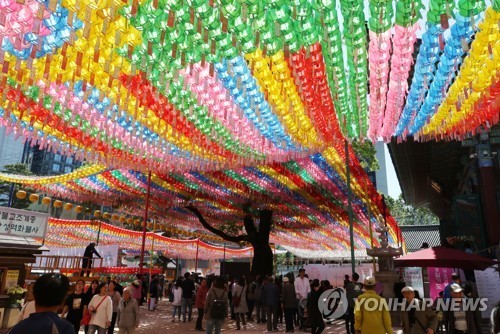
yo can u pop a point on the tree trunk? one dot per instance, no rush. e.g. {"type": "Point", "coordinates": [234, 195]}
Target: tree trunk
{"type": "Point", "coordinates": [263, 259]}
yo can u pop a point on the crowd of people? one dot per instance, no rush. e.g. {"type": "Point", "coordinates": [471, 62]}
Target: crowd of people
{"type": "Point", "coordinates": [103, 306]}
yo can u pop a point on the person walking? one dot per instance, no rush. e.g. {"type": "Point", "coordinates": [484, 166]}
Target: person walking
{"type": "Point", "coordinates": [127, 318]}
{"type": "Point", "coordinates": [240, 302]}
{"type": "Point", "coordinates": [101, 307]}
{"type": "Point", "coordinates": [187, 297]}
{"type": "Point", "coordinates": [289, 304]}
{"type": "Point", "coordinates": [259, 306]}
{"type": "Point", "coordinates": [353, 290]}
{"type": "Point", "coordinates": [373, 321]}
{"type": "Point", "coordinates": [136, 291]}
{"type": "Point", "coordinates": [216, 306]}
{"type": "Point", "coordinates": [92, 290]}
{"type": "Point", "coordinates": [87, 258]}
{"type": "Point", "coordinates": [75, 306]}
{"type": "Point", "coordinates": [313, 312]}
{"type": "Point", "coordinates": [251, 299]}
{"type": "Point", "coordinates": [50, 291]}
{"type": "Point", "coordinates": [201, 296]}
{"type": "Point", "coordinates": [302, 289]}
{"type": "Point", "coordinates": [416, 318]}
{"type": "Point", "coordinates": [114, 294]}
{"type": "Point", "coordinates": [153, 293]}
{"type": "Point", "coordinates": [177, 302]}
{"type": "Point", "coordinates": [270, 297]}
{"type": "Point", "coordinates": [458, 320]}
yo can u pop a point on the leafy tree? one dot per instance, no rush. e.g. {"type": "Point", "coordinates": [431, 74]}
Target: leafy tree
{"type": "Point", "coordinates": [366, 153]}
{"type": "Point", "coordinates": [5, 187]}
{"type": "Point", "coordinates": [406, 214]}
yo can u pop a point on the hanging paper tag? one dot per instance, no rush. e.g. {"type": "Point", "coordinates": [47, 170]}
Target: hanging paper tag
{"type": "Point", "coordinates": [465, 45]}
{"type": "Point", "coordinates": [444, 21]}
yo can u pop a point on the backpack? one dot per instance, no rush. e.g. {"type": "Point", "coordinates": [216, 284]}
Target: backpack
{"type": "Point", "coordinates": [218, 309]}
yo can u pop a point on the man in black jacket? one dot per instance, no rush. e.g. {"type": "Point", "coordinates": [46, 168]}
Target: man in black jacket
{"type": "Point", "coordinates": [187, 296]}
{"type": "Point", "coordinates": [87, 258]}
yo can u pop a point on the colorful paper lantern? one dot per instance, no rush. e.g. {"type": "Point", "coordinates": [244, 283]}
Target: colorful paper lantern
{"type": "Point", "coordinates": [46, 200]}
{"type": "Point", "coordinates": [58, 204]}
{"type": "Point", "coordinates": [79, 209]}
{"type": "Point", "coordinates": [34, 198]}
{"type": "Point", "coordinates": [21, 194]}
{"type": "Point", "coordinates": [68, 206]}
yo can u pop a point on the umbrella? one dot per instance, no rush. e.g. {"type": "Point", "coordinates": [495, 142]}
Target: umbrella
{"type": "Point", "coordinates": [443, 257]}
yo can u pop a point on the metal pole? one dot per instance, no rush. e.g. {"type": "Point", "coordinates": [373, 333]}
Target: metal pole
{"type": "Point", "coordinates": [349, 205]}
{"type": "Point", "coordinates": [98, 233]}
{"type": "Point", "coordinates": [11, 195]}
{"type": "Point", "coordinates": [224, 260]}
{"type": "Point", "coordinates": [151, 261]}
{"type": "Point", "coordinates": [197, 249]}
{"type": "Point", "coordinates": [141, 263]}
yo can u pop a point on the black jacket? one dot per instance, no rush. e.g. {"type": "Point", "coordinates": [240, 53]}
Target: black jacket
{"type": "Point", "coordinates": [313, 312]}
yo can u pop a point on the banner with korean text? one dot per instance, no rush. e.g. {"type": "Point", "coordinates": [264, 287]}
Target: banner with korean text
{"type": "Point", "coordinates": [438, 279]}
{"type": "Point", "coordinates": [23, 223]}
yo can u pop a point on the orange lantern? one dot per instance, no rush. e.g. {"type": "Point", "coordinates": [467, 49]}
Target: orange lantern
{"type": "Point", "coordinates": [21, 194]}
{"type": "Point", "coordinates": [68, 206]}
{"type": "Point", "coordinates": [97, 213]}
{"type": "Point", "coordinates": [106, 215]}
{"type": "Point", "coordinates": [58, 204]}
{"type": "Point", "coordinates": [34, 198]}
{"type": "Point", "coordinates": [79, 209]}
{"type": "Point", "coordinates": [114, 216]}
{"type": "Point", "coordinates": [122, 219]}
{"type": "Point", "coordinates": [46, 200]}
{"type": "Point", "coordinates": [130, 220]}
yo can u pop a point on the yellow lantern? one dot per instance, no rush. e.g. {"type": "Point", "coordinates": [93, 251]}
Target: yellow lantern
{"type": "Point", "coordinates": [123, 219]}
{"type": "Point", "coordinates": [97, 213]}
{"type": "Point", "coordinates": [34, 198]}
{"type": "Point", "coordinates": [68, 206]}
{"type": "Point", "coordinates": [79, 209]}
{"type": "Point", "coordinates": [114, 216]}
{"type": "Point", "coordinates": [21, 194]}
{"type": "Point", "coordinates": [106, 215]}
{"type": "Point", "coordinates": [46, 200]}
{"type": "Point", "coordinates": [57, 204]}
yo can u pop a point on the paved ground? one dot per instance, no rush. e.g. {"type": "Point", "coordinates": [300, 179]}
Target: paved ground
{"type": "Point", "coordinates": [160, 321]}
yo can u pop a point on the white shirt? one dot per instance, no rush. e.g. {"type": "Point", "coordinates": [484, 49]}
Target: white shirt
{"type": "Point", "coordinates": [104, 311]}
{"type": "Point", "coordinates": [302, 287]}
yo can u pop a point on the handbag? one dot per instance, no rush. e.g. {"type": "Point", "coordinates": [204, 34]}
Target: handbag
{"type": "Point", "coordinates": [88, 315]}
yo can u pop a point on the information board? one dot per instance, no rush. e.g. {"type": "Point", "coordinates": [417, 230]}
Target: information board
{"type": "Point", "coordinates": [23, 223]}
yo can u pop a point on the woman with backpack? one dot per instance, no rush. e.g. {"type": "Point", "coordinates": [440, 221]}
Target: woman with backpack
{"type": "Point", "coordinates": [240, 302]}
{"type": "Point", "coordinates": [216, 306]}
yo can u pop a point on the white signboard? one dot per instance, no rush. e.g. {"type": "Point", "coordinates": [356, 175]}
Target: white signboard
{"type": "Point", "coordinates": [413, 278]}
{"type": "Point", "coordinates": [23, 223]}
{"type": "Point", "coordinates": [488, 285]}
{"type": "Point", "coordinates": [335, 273]}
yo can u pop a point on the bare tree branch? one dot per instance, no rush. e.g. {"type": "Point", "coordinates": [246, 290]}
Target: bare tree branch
{"type": "Point", "coordinates": [223, 235]}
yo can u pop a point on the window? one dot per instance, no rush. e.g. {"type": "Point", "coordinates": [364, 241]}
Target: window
{"type": "Point", "coordinates": [57, 157]}
{"type": "Point", "coordinates": [56, 167]}
{"type": "Point", "coordinates": [69, 160]}
{"type": "Point", "coordinates": [68, 169]}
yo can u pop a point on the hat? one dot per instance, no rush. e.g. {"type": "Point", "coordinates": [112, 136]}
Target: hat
{"type": "Point", "coordinates": [407, 289]}
{"type": "Point", "coordinates": [455, 276]}
{"type": "Point", "coordinates": [285, 279]}
{"type": "Point", "coordinates": [456, 288]}
{"type": "Point", "coordinates": [370, 280]}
